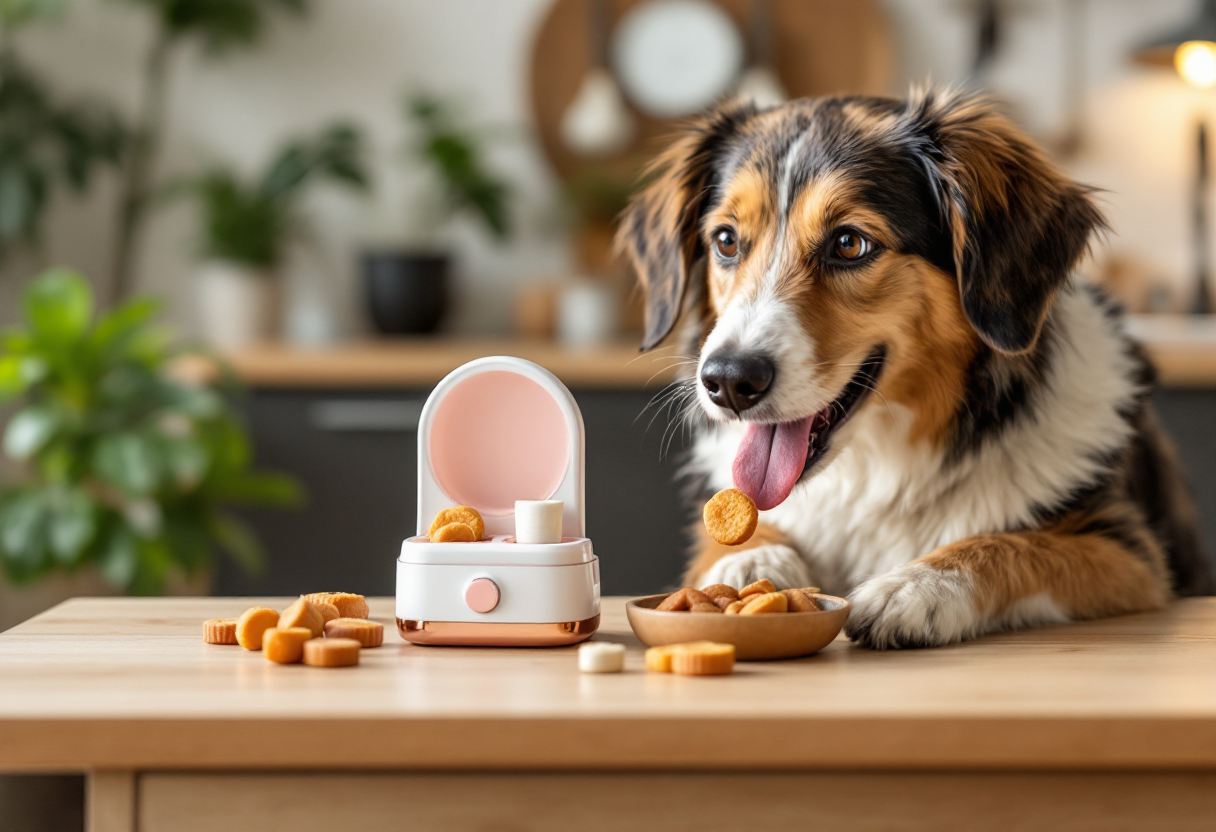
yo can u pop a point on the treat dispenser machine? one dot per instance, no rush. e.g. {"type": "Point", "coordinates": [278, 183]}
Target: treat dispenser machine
{"type": "Point", "coordinates": [497, 432]}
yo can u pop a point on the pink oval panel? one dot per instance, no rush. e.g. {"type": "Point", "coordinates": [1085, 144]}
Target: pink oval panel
{"type": "Point", "coordinates": [497, 437]}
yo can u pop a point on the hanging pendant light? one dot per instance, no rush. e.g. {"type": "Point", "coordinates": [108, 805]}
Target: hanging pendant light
{"type": "Point", "coordinates": [598, 122]}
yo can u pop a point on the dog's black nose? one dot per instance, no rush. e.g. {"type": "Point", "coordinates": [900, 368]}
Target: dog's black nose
{"type": "Point", "coordinates": [737, 380]}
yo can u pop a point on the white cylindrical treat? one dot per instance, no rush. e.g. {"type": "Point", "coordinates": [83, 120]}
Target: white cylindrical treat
{"type": "Point", "coordinates": [538, 521]}
{"type": "Point", "coordinates": [601, 657]}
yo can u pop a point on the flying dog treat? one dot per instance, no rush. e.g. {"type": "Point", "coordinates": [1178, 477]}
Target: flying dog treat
{"type": "Point", "coordinates": [454, 533]}
{"type": "Point", "coordinates": [730, 517]}
{"type": "Point", "coordinates": [758, 588]}
{"type": "Point", "coordinates": [285, 645]}
{"type": "Point", "coordinates": [710, 607]}
{"type": "Point", "coordinates": [331, 652]}
{"type": "Point", "coordinates": [303, 613]}
{"type": "Point", "coordinates": [703, 659]}
{"type": "Point", "coordinates": [367, 633]}
{"type": "Point", "coordinates": [220, 631]}
{"type": "Point", "coordinates": [601, 657]}
{"type": "Point", "coordinates": [766, 603]}
{"type": "Point", "coordinates": [252, 623]}
{"type": "Point", "coordinates": [349, 604]}
{"type": "Point", "coordinates": [459, 514]}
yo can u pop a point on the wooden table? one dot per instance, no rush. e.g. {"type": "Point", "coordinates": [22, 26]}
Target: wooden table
{"type": "Point", "coordinates": [1101, 725]}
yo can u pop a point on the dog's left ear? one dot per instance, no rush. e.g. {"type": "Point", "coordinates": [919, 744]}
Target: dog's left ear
{"type": "Point", "coordinates": [1018, 225]}
{"type": "Point", "coordinates": [659, 232]}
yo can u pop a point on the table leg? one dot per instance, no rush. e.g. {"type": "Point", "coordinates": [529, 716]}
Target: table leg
{"type": "Point", "coordinates": [110, 801]}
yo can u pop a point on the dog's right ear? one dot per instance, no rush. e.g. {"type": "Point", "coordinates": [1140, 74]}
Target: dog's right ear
{"type": "Point", "coordinates": [659, 232]}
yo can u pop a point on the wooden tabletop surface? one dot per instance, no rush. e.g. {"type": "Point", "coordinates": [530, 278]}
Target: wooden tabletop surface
{"type": "Point", "coordinates": [122, 683]}
{"type": "Point", "coordinates": [1183, 349]}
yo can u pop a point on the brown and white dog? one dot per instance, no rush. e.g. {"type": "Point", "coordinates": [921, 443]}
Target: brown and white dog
{"type": "Point", "coordinates": [898, 367]}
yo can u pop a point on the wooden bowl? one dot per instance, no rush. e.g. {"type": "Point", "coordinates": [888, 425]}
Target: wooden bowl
{"type": "Point", "coordinates": [772, 636]}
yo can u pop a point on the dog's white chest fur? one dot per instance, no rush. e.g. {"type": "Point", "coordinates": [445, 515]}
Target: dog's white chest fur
{"type": "Point", "coordinates": [882, 502]}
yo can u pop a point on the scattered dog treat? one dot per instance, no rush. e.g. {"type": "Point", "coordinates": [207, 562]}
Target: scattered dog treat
{"type": "Point", "coordinates": [331, 652]}
{"type": "Point", "coordinates": [758, 598]}
{"type": "Point", "coordinates": [454, 533]}
{"type": "Point", "coordinates": [252, 624]}
{"type": "Point", "coordinates": [328, 611]}
{"type": "Point", "coordinates": [220, 631]}
{"type": "Point", "coordinates": [349, 604]}
{"type": "Point", "coordinates": [460, 514]}
{"type": "Point", "coordinates": [285, 645]}
{"type": "Point", "coordinates": [538, 521]}
{"type": "Point", "coordinates": [601, 657]}
{"type": "Point", "coordinates": [694, 658]}
{"type": "Point", "coordinates": [730, 517]}
{"type": "Point", "coordinates": [303, 613]}
{"type": "Point", "coordinates": [367, 633]}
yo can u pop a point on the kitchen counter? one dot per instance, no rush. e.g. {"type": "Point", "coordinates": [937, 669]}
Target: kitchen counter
{"type": "Point", "coordinates": [1112, 721]}
{"type": "Point", "coordinates": [1182, 347]}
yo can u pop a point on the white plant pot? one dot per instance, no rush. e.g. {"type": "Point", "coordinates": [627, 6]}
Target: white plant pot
{"type": "Point", "coordinates": [238, 305]}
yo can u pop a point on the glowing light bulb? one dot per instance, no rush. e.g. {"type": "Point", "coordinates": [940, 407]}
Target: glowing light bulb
{"type": "Point", "coordinates": [1195, 61]}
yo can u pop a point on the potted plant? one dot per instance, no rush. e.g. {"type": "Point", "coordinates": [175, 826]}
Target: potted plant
{"type": "Point", "coordinates": [248, 224]}
{"type": "Point", "coordinates": [407, 288]}
{"type": "Point", "coordinates": [125, 470]}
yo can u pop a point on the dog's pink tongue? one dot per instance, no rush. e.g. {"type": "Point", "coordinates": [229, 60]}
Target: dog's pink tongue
{"type": "Point", "coordinates": [770, 460]}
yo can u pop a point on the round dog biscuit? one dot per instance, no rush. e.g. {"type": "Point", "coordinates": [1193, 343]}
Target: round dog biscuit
{"type": "Point", "coordinates": [252, 623]}
{"type": "Point", "coordinates": [328, 611]}
{"type": "Point", "coordinates": [459, 514]}
{"type": "Point", "coordinates": [220, 631]}
{"type": "Point", "coordinates": [331, 652]}
{"type": "Point", "coordinates": [303, 613]}
{"type": "Point", "coordinates": [730, 517]}
{"type": "Point", "coordinates": [767, 603]}
{"type": "Point", "coordinates": [454, 533]}
{"type": "Point", "coordinates": [703, 659]}
{"type": "Point", "coordinates": [367, 633]}
{"type": "Point", "coordinates": [349, 604]}
{"type": "Point", "coordinates": [285, 645]}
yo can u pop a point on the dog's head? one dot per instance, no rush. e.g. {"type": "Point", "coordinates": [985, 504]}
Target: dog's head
{"type": "Point", "coordinates": [843, 245]}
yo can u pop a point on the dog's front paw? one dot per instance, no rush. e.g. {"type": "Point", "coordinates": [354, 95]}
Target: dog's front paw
{"type": "Point", "coordinates": [780, 564]}
{"type": "Point", "coordinates": [914, 606]}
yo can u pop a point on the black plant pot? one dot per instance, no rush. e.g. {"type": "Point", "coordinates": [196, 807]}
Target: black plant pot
{"type": "Point", "coordinates": [407, 294]}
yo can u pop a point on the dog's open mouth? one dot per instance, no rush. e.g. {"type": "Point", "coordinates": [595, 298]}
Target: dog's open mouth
{"type": "Point", "coordinates": [773, 457]}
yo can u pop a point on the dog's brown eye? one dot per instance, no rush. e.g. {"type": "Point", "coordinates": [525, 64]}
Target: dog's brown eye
{"type": "Point", "coordinates": [726, 242]}
{"type": "Point", "coordinates": [851, 246]}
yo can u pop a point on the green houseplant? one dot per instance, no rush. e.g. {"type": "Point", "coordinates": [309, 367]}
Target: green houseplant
{"type": "Point", "coordinates": [125, 468]}
{"type": "Point", "coordinates": [248, 224]}
{"type": "Point", "coordinates": [407, 288]}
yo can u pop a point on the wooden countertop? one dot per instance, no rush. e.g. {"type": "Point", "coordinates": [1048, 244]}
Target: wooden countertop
{"type": "Point", "coordinates": [122, 683]}
{"type": "Point", "coordinates": [1183, 348]}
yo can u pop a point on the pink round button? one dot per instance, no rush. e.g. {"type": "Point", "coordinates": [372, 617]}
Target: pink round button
{"type": "Point", "coordinates": [481, 595]}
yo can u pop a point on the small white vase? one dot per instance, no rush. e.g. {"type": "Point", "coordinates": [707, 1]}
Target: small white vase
{"type": "Point", "coordinates": [238, 305]}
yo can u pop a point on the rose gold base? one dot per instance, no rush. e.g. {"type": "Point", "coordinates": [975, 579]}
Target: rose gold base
{"type": "Point", "coordinates": [490, 634]}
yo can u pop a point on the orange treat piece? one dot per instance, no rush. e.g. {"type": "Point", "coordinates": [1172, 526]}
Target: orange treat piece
{"type": "Point", "coordinates": [454, 533]}
{"type": "Point", "coordinates": [328, 611]}
{"type": "Point", "coordinates": [459, 514]}
{"type": "Point", "coordinates": [658, 659]}
{"type": "Point", "coordinates": [675, 602]}
{"type": "Point", "coordinates": [331, 652]}
{"type": "Point", "coordinates": [349, 604]}
{"type": "Point", "coordinates": [703, 659]}
{"type": "Point", "coordinates": [766, 603]}
{"type": "Point", "coordinates": [367, 633]}
{"type": "Point", "coordinates": [303, 613]}
{"type": "Point", "coordinates": [730, 517]}
{"type": "Point", "coordinates": [710, 607]}
{"type": "Point", "coordinates": [219, 631]}
{"type": "Point", "coordinates": [758, 588]}
{"type": "Point", "coordinates": [696, 596]}
{"type": "Point", "coordinates": [252, 623]}
{"type": "Point", "coordinates": [285, 645]}
{"type": "Point", "coordinates": [735, 607]}
{"type": "Point", "coordinates": [724, 601]}
{"type": "Point", "coordinates": [799, 601]}
{"type": "Point", "coordinates": [717, 591]}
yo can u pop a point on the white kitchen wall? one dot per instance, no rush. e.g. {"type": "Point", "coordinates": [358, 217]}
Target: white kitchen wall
{"type": "Point", "coordinates": [356, 58]}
